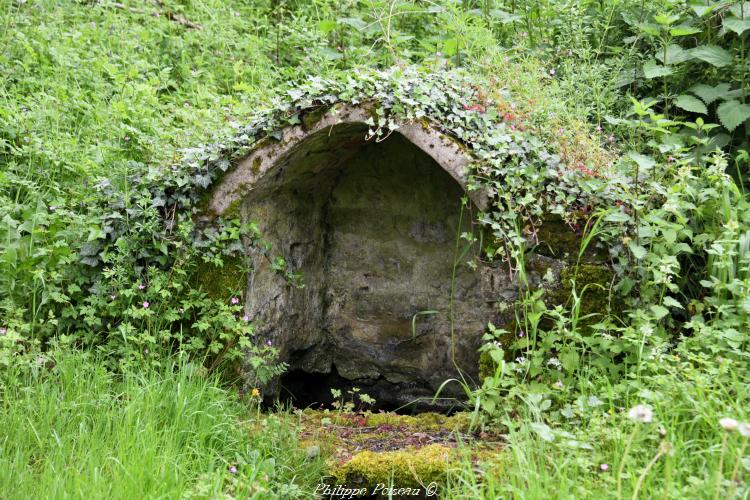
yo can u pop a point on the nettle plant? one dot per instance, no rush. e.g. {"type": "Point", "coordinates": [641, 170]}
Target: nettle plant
{"type": "Point", "coordinates": [682, 284]}
{"type": "Point", "coordinates": [707, 41]}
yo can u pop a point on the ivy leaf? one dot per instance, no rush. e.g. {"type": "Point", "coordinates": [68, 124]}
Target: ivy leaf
{"type": "Point", "coordinates": [691, 104]}
{"type": "Point", "coordinates": [653, 70]}
{"type": "Point", "coordinates": [737, 25]}
{"type": "Point", "coordinates": [733, 113]}
{"type": "Point", "coordinates": [708, 93]}
{"type": "Point", "coordinates": [713, 55]}
{"type": "Point", "coordinates": [203, 181]}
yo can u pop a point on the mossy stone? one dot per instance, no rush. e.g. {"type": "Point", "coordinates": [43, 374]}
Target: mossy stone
{"type": "Point", "coordinates": [220, 282]}
{"type": "Point", "coordinates": [487, 365]}
{"type": "Point", "coordinates": [408, 468]}
{"type": "Point", "coordinates": [558, 240]}
{"type": "Point", "coordinates": [310, 118]}
{"type": "Point", "coordinates": [592, 284]}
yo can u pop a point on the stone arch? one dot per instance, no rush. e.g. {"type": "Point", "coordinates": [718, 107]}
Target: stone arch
{"type": "Point", "coordinates": [349, 123]}
{"type": "Point", "coordinates": [372, 226]}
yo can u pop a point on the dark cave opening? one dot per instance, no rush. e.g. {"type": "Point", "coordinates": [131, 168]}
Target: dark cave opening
{"type": "Point", "coordinates": [300, 389]}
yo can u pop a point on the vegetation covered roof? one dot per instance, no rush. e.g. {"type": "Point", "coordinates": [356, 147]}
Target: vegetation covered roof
{"type": "Point", "coordinates": [526, 175]}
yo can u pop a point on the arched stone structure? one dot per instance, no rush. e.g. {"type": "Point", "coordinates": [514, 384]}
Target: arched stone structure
{"type": "Point", "coordinates": [344, 129]}
{"type": "Point", "coordinates": [388, 303]}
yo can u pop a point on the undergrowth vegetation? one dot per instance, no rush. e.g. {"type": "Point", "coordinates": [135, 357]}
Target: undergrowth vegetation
{"type": "Point", "coordinates": [627, 119]}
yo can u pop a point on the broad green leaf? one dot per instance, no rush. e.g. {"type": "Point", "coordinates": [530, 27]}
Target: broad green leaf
{"type": "Point", "coordinates": [643, 161]}
{"type": "Point", "coordinates": [327, 25]}
{"type": "Point", "coordinates": [354, 22]}
{"type": "Point", "coordinates": [330, 53]}
{"type": "Point", "coordinates": [732, 114]}
{"type": "Point", "coordinates": [713, 55]}
{"type": "Point", "coordinates": [684, 30]}
{"type": "Point", "coordinates": [675, 55]}
{"type": "Point", "coordinates": [617, 216]}
{"type": "Point", "coordinates": [666, 19]}
{"type": "Point", "coordinates": [638, 251]}
{"type": "Point", "coordinates": [701, 9]}
{"type": "Point", "coordinates": [543, 430]}
{"type": "Point", "coordinates": [708, 93]}
{"type": "Point", "coordinates": [504, 17]}
{"type": "Point", "coordinates": [718, 141]}
{"type": "Point", "coordinates": [690, 103]}
{"type": "Point", "coordinates": [450, 46]}
{"type": "Point", "coordinates": [569, 359]}
{"type": "Point", "coordinates": [659, 311]}
{"type": "Point", "coordinates": [741, 10]}
{"type": "Point", "coordinates": [649, 28]}
{"type": "Point", "coordinates": [653, 70]}
{"type": "Point", "coordinates": [671, 302]}
{"type": "Point", "coordinates": [626, 77]}
{"type": "Point", "coordinates": [488, 405]}
{"type": "Point", "coordinates": [739, 26]}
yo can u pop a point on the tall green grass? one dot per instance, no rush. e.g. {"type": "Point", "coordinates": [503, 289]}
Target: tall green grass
{"type": "Point", "coordinates": [582, 460]}
{"type": "Point", "coordinates": [77, 431]}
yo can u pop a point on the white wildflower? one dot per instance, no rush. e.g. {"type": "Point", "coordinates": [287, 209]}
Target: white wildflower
{"type": "Point", "coordinates": [554, 362]}
{"type": "Point", "coordinates": [641, 414]}
{"type": "Point", "coordinates": [729, 424]}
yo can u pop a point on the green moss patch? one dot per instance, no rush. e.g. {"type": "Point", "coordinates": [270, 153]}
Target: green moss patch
{"type": "Point", "coordinates": [219, 282]}
{"type": "Point", "coordinates": [592, 283]}
{"type": "Point", "coordinates": [364, 450]}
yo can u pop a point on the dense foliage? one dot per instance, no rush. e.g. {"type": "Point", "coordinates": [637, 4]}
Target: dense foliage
{"type": "Point", "coordinates": [628, 119]}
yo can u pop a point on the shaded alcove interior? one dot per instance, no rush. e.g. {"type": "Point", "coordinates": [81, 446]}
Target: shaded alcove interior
{"type": "Point", "coordinates": [373, 227]}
